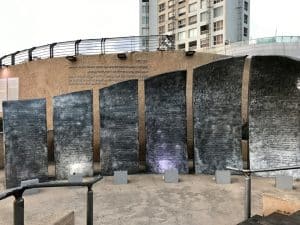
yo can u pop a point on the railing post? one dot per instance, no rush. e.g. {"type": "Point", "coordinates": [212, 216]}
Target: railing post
{"type": "Point", "coordinates": [247, 195]}
{"type": "Point", "coordinates": [77, 47]}
{"type": "Point", "coordinates": [89, 212]}
{"type": "Point", "coordinates": [13, 58]}
{"type": "Point", "coordinates": [19, 211]}
{"type": "Point", "coordinates": [52, 49]}
{"type": "Point", "coordinates": [30, 53]}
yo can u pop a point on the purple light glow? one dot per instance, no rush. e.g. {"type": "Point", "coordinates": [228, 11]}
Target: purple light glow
{"type": "Point", "coordinates": [165, 165]}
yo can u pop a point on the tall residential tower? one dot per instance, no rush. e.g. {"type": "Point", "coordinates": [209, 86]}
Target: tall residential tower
{"type": "Point", "coordinates": [198, 24]}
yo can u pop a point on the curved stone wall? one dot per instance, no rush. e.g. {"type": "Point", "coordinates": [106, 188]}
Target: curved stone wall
{"type": "Point", "coordinates": [217, 95]}
{"type": "Point", "coordinates": [166, 139]}
{"type": "Point", "coordinates": [274, 113]}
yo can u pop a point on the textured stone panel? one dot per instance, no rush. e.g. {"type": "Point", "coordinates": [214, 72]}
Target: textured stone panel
{"type": "Point", "coordinates": [25, 132]}
{"type": "Point", "coordinates": [119, 128]}
{"type": "Point", "coordinates": [73, 134]}
{"type": "Point", "coordinates": [1, 151]}
{"type": "Point", "coordinates": [166, 123]}
{"type": "Point", "coordinates": [217, 97]}
{"type": "Point", "coordinates": [274, 113]}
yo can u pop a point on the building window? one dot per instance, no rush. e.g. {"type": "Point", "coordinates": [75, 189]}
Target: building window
{"type": "Point", "coordinates": [202, 4]}
{"type": "Point", "coordinates": [218, 25]}
{"type": "Point", "coordinates": [161, 29]}
{"type": "Point", "coordinates": [145, 20]}
{"type": "Point", "coordinates": [218, 11]}
{"type": "Point", "coordinates": [218, 39]}
{"type": "Point", "coordinates": [181, 46]}
{"type": "Point", "coordinates": [193, 7]}
{"type": "Point", "coordinates": [181, 36]}
{"type": "Point", "coordinates": [192, 45]}
{"type": "Point", "coordinates": [145, 31]}
{"type": "Point", "coordinates": [204, 29]}
{"type": "Point", "coordinates": [181, 1]}
{"type": "Point", "coordinates": [181, 11]}
{"type": "Point", "coordinates": [245, 19]}
{"type": "Point", "coordinates": [246, 6]}
{"type": "Point", "coordinates": [161, 7]}
{"type": "Point", "coordinates": [204, 43]}
{"type": "Point", "coordinates": [203, 16]}
{"type": "Point", "coordinates": [193, 33]}
{"type": "Point", "coordinates": [181, 23]}
{"type": "Point", "coordinates": [245, 32]}
{"type": "Point", "coordinates": [217, 1]}
{"type": "Point", "coordinates": [171, 3]}
{"type": "Point", "coordinates": [145, 8]}
{"type": "Point", "coordinates": [192, 20]}
{"type": "Point", "coordinates": [171, 15]}
{"type": "Point", "coordinates": [170, 26]}
{"type": "Point", "coordinates": [161, 18]}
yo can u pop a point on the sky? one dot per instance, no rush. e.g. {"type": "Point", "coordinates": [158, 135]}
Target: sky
{"type": "Point", "coordinates": [28, 23]}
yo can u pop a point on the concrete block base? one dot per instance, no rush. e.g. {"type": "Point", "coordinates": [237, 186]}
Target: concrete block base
{"type": "Point", "coordinates": [171, 176]}
{"type": "Point", "coordinates": [120, 177]}
{"type": "Point", "coordinates": [223, 177]}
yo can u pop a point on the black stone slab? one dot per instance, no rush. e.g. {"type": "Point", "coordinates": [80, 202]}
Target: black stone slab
{"type": "Point", "coordinates": [274, 113]}
{"type": "Point", "coordinates": [166, 123]}
{"type": "Point", "coordinates": [73, 134]}
{"type": "Point", "coordinates": [119, 128]}
{"type": "Point", "coordinates": [217, 93]}
{"type": "Point", "coordinates": [25, 142]}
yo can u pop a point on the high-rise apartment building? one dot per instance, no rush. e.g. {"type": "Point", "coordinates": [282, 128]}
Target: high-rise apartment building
{"type": "Point", "coordinates": [200, 24]}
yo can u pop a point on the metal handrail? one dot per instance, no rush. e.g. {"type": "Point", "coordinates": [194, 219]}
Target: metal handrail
{"type": "Point", "coordinates": [247, 173]}
{"type": "Point", "coordinates": [90, 47]}
{"type": "Point", "coordinates": [19, 200]}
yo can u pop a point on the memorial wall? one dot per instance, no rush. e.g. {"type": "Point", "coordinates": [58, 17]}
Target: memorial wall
{"type": "Point", "coordinates": [274, 114]}
{"type": "Point", "coordinates": [24, 128]}
{"type": "Point", "coordinates": [58, 76]}
{"type": "Point", "coordinates": [119, 145]}
{"type": "Point", "coordinates": [217, 95]}
{"type": "Point", "coordinates": [166, 139]}
{"type": "Point", "coordinates": [73, 134]}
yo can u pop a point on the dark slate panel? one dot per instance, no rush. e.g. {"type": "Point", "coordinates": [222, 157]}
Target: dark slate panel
{"type": "Point", "coordinates": [73, 134]}
{"type": "Point", "coordinates": [119, 128]}
{"type": "Point", "coordinates": [217, 93]}
{"type": "Point", "coordinates": [25, 141]}
{"type": "Point", "coordinates": [166, 123]}
{"type": "Point", "coordinates": [274, 113]}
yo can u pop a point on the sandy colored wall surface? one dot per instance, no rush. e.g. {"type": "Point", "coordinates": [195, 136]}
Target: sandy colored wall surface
{"type": "Point", "coordinates": [52, 77]}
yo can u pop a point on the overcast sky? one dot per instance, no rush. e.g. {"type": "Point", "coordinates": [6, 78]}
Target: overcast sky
{"type": "Point", "coordinates": [28, 23]}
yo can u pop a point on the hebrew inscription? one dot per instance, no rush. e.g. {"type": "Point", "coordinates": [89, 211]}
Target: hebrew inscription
{"type": "Point", "coordinates": [119, 128]}
{"type": "Point", "coordinates": [217, 115]}
{"type": "Point", "coordinates": [166, 123]}
{"type": "Point", "coordinates": [73, 134]}
{"type": "Point", "coordinates": [25, 132]}
{"type": "Point", "coordinates": [274, 114]}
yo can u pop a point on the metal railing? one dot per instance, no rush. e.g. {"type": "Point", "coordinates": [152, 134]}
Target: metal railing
{"type": "Point", "coordinates": [247, 173]}
{"type": "Point", "coordinates": [91, 47]}
{"type": "Point", "coordinates": [19, 200]}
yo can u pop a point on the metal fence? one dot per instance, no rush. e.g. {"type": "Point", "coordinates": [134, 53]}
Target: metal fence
{"type": "Point", "coordinates": [91, 47]}
{"type": "Point", "coordinates": [19, 200]}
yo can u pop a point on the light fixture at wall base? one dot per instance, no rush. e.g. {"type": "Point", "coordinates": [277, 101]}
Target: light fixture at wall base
{"type": "Point", "coordinates": [189, 53]}
{"type": "Point", "coordinates": [122, 56]}
{"type": "Point", "coordinates": [71, 58]}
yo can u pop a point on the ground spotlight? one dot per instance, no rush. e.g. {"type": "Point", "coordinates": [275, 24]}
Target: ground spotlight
{"type": "Point", "coordinates": [71, 58]}
{"type": "Point", "coordinates": [189, 53]}
{"type": "Point", "coordinates": [122, 56]}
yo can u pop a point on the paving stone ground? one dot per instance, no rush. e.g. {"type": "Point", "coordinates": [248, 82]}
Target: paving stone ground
{"type": "Point", "coordinates": [146, 200]}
